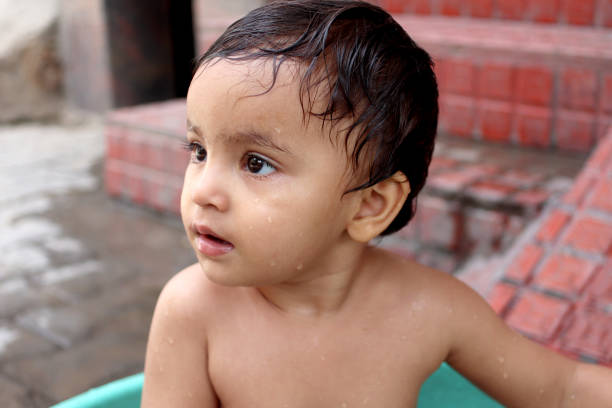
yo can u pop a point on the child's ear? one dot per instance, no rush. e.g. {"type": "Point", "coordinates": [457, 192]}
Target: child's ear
{"type": "Point", "coordinates": [378, 205]}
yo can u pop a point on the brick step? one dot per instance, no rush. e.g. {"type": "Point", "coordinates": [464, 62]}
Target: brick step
{"type": "Point", "coordinates": [509, 82]}
{"type": "Point", "coordinates": [520, 84]}
{"type": "Point", "coordinates": [555, 283]}
{"type": "Point", "coordinates": [478, 198]}
{"type": "Point", "coordinates": [145, 158]}
{"type": "Point", "coordinates": [596, 13]}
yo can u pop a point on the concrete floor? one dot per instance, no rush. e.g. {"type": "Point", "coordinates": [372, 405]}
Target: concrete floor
{"type": "Point", "coordinates": [79, 273]}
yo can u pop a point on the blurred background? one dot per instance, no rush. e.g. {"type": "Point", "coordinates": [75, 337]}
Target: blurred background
{"type": "Point", "coordinates": [518, 203]}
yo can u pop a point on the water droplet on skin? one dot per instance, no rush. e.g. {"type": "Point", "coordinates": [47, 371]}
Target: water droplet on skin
{"type": "Point", "coordinates": [501, 359]}
{"type": "Point", "coordinates": [322, 358]}
{"type": "Point", "coordinates": [541, 391]}
{"type": "Point", "coordinates": [573, 396]}
{"type": "Point", "coordinates": [270, 220]}
{"type": "Point", "coordinates": [505, 375]}
{"type": "Point", "coordinates": [299, 267]}
{"type": "Point", "coordinates": [344, 405]}
{"type": "Point", "coordinates": [170, 340]}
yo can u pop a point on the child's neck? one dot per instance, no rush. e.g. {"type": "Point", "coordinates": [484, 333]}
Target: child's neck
{"type": "Point", "coordinates": [322, 291]}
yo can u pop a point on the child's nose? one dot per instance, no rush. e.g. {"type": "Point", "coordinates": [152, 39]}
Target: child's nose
{"type": "Point", "coordinates": [211, 188]}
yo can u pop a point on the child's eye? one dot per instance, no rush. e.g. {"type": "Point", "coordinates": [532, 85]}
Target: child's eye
{"type": "Point", "coordinates": [198, 152]}
{"type": "Point", "coordinates": [258, 165]}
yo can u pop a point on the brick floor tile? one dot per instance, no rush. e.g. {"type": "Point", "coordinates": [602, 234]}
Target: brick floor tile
{"type": "Point", "coordinates": [579, 89]}
{"type": "Point", "coordinates": [512, 9]}
{"type": "Point", "coordinates": [458, 116]}
{"type": "Point", "coordinates": [496, 121]}
{"type": "Point", "coordinates": [461, 76]}
{"type": "Point", "coordinates": [531, 200]}
{"type": "Point", "coordinates": [394, 6]}
{"type": "Point", "coordinates": [581, 186]}
{"type": "Point", "coordinates": [538, 316]}
{"type": "Point", "coordinates": [590, 335]}
{"type": "Point", "coordinates": [607, 13]}
{"type": "Point", "coordinates": [564, 274]}
{"type": "Point", "coordinates": [500, 297]}
{"type": "Point", "coordinates": [575, 131]}
{"type": "Point", "coordinates": [579, 12]}
{"type": "Point", "coordinates": [522, 267]}
{"type": "Point", "coordinates": [602, 156]}
{"type": "Point", "coordinates": [544, 11]}
{"type": "Point", "coordinates": [490, 191]}
{"type": "Point", "coordinates": [602, 197]}
{"type": "Point", "coordinates": [535, 83]}
{"type": "Point", "coordinates": [590, 234]}
{"type": "Point", "coordinates": [484, 229]}
{"type": "Point", "coordinates": [555, 221]}
{"type": "Point", "coordinates": [437, 259]}
{"type": "Point", "coordinates": [135, 146]}
{"type": "Point", "coordinates": [481, 8]}
{"type": "Point", "coordinates": [520, 179]}
{"type": "Point", "coordinates": [496, 80]}
{"type": "Point", "coordinates": [515, 225]}
{"type": "Point", "coordinates": [606, 92]}
{"type": "Point", "coordinates": [450, 7]}
{"type": "Point", "coordinates": [455, 181]}
{"type": "Point", "coordinates": [440, 163]}
{"type": "Point", "coordinates": [600, 288]}
{"type": "Point", "coordinates": [534, 126]}
{"type": "Point", "coordinates": [409, 232]}
{"type": "Point", "coordinates": [114, 137]}
{"type": "Point", "coordinates": [438, 222]}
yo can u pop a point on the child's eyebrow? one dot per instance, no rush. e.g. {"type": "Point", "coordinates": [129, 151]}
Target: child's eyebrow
{"type": "Point", "coordinates": [250, 136]}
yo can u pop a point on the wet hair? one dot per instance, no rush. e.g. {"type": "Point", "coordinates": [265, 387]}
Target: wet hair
{"type": "Point", "coordinates": [376, 77]}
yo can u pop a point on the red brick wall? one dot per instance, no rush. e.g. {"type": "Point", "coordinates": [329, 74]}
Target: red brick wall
{"type": "Point", "coordinates": [596, 13]}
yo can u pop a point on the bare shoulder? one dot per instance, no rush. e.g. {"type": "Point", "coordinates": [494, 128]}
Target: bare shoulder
{"type": "Point", "coordinates": [177, 350]}
{"type": "Point", "coordinates": [190, 297]}
{"type": "Point", "coordinates": [420, 280]}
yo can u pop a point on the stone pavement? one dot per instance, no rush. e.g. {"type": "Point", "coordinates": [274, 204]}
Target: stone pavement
{"type": "Point", "coordinates": [79, 272]}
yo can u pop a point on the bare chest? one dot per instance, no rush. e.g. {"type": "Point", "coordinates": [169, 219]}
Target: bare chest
{"type": "Point", "coordinates": [348, 364]}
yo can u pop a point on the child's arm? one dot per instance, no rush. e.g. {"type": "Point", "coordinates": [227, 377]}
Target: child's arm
{"type": "Point", "coordinates": [176, 362]}
{"type": "Point", "coordinates": [590, 387]}
{"type": "Point", "coordinates": [516, 371]}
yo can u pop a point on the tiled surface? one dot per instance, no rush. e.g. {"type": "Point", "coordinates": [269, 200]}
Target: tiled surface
{"type": "Point", "coordinates": [573, 12]}
{"type": "Point", "coordinates": [557, 288]}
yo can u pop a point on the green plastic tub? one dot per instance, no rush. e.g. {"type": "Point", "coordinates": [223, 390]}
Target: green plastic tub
{"type": "Point", "coordinates": [445, 388]}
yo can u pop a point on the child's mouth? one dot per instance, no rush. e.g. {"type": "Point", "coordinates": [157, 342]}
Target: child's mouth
{"type": "Point", "coordinates": [212, 245]}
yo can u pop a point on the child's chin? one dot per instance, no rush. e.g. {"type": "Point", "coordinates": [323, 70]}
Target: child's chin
{"type": "Point", "coordinates": [223, 277]}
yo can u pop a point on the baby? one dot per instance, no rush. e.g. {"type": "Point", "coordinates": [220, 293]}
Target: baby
{"type": "Point", "coordinates": [311, 126]}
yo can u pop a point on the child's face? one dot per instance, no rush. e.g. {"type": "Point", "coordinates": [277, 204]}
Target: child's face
{"type": "Point", "coordinates": [263, 200]}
